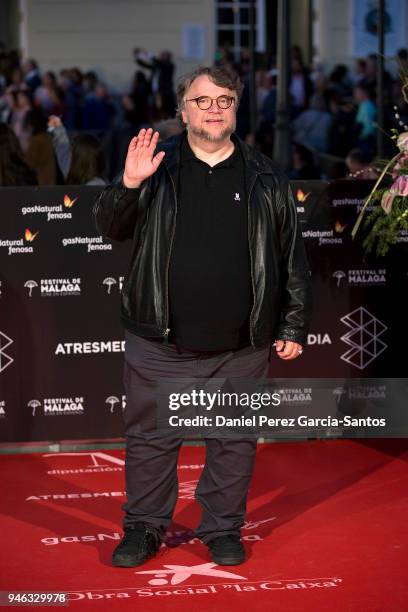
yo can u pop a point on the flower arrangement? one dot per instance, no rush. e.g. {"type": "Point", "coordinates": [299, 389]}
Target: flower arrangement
{"type": "Point", "coordinates": [387, 221]}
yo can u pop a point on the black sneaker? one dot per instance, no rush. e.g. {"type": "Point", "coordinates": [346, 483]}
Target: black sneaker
{"type": "Point", "coordinates": [139, 543]}
{"type": "Point", "coordinates": [227, 550]}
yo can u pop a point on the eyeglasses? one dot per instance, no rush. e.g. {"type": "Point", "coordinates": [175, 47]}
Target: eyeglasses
{"type": "Point", "coordinates": [205, 102]}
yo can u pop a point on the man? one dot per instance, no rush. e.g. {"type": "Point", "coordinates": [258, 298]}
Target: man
{"type": "Point", "coordinates": [162, 70]}
{"type": "Point", "coordinates": [32, 76]}
{"type": "Point", "coordinates": [359, 166]}
{"type": "Point", "coordinates": [217, 274]}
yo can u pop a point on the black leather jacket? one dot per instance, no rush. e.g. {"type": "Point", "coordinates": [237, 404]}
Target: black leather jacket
{"type": "Point", "coordinates": [148, 215]}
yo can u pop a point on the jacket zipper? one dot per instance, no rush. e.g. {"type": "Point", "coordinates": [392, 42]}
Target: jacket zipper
{"type": "Point", "coordinates": [167, 330]}
{"type": "Point", "coordinates": [251, 263]}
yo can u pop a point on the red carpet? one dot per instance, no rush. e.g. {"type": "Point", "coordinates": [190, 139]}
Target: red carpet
{"type": "Point", "coordinates": [327, 530]}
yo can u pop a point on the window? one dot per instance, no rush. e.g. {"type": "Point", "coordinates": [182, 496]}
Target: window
{"type": "Point", "coordinates": [232, 26]}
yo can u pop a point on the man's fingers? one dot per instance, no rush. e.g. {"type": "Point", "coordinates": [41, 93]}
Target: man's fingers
{"type": "Point", "coordinates": [279, 344]}
{"type": "Point", "coordinates": [147, 137]}
{"type": "Point", "coordinates": [287, 350]}
{"type": "Point", "coordinates": [291, 350]}
{"type": "Point", "coordinates": [289, 355]}
{"type": "Point", "coordinates": [133, 143]}
{"type": "Point", "coordinates": [286, 356]}
{"type": "Point", "coordinates": [142, 149]}
{"type": "Point", "coordinates": [153, 141]}
{"type": "Point", "coordinates": [156, 161]}
{"type": "Point", "coordinates": [140, 138]}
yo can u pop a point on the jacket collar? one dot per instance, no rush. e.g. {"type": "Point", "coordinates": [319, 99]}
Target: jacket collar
{"type": "Point", "coordinates": [255, 162]}
{"type": "Point", "coordinates": [172, 147]}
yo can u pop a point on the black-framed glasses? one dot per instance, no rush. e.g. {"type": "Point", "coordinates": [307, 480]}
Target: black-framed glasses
{"type": "Point", "coordinates": [205, 102]}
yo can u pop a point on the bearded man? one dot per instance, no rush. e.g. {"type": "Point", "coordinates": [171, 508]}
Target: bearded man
{"type": "Point", "coordinates": [217, 276]}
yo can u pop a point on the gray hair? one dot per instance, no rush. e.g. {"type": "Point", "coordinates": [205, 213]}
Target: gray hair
{"type": "Point", "coordinates": [218, 75]}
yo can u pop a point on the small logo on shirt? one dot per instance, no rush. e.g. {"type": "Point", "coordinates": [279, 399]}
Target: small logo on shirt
{"type": "Point", "coordinates": [237, 197]}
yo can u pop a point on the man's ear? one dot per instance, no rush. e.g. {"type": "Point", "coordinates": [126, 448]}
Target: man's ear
{"type": "Point", "coordinates": [183, 116]}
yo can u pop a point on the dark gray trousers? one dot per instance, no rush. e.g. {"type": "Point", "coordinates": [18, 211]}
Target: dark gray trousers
{"type": "Point", "coordinates": [151, 459]}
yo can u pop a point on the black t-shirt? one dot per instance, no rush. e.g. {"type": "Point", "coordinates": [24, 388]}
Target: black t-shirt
{"type": "Point", "coordinates": [209, 277]}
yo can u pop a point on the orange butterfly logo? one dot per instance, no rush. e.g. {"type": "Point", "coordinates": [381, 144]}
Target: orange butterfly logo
{"type": "Point", "coordinates": [339, 228]}
{"type": "Point", "coordinates": [68, 203]}
{"type": "Point", "coordinates": [301, 196]}
{"type": "Point", "coordinates": [29, 236]}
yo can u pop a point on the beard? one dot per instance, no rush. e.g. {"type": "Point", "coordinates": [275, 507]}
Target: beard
{"type": "Point", "coordinates": [204, 134]}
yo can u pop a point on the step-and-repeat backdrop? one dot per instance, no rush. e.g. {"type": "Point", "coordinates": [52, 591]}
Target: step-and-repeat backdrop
{"type": "Point", "coordinates": [61, 343]}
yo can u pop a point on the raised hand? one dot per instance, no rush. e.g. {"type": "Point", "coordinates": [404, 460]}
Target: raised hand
{"type": "Point", "coordinates": [140, 160]}
{"type": "Point", "coordinates": [54, 121]}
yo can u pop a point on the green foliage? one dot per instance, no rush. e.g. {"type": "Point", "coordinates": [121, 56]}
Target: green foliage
{"type": "Point", "coordinates": [385, 229]}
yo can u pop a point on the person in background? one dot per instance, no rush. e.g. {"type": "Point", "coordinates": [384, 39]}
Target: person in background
{"type": "Point", "coordinates": [32, 76]}
{"type": "Point", "coordinates": [317, 74]}
{"type": "Point", "coordinates": [320, 86]}
{"type": "Point", "coordinates": [267, 116]}
{"type": "Point", "coordinates": [87, 162]}
{"type": "Point", "coordinates": [4, 107]}
{"type": "Point", "coordinates": [262, 87]}
{"type": "Point", "coordinates": [49, 96]}
{"type": "Point", "coordinates": [359, 165]}
{"type": "Point", "coordinates": [341, 132]}
{"type": "Point", "coordinates": [268, 110]}
{"type": "Point", "coordinates": [40, 153]}
{"type": "Point", "coordinates": [98, 110]}
{"type": "Point", "coordinates": [20, 103]}
{"type": "Point", "coordinates": [370, 79]}
{"type": "Point", "coordinates": [300, 88]}
{"type": "Point", "coordinates": [61, 144]}
{"type": "Point", "coordinates": [89, 82]}
{"type": "Point", "coordinates": [365, 126]}
{"type": "Point", "coordinates": [136, 103]}
{"type": "Point", "coordinates": [13, 169]}
{"type": "Point", "coordinates": [311, 127]}
{"type": "Point", "coordinates": [162, 73]}
{"type": "Point", "coordinates": [359, 71]}
{"type": "Point", "coordinates": [70, 83]}
{"type": "Point", "coordinates": [340, 81]}
{"type": "Point", "coordinates": [9, 61]}
{"type": "Point", "coordinates": [17, 80]}
{"type": "Point", "coordinates": [303, 164]}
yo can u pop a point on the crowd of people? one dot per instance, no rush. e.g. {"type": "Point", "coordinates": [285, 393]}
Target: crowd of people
{"type": "Point", "coordinates": [63, 128]}
{"type": "Point", "coordinates": [55, 128]}
{"type": "Point", "coordinates": [333, 115]}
